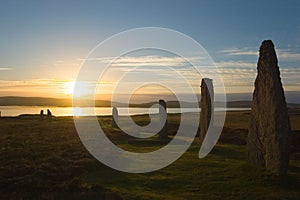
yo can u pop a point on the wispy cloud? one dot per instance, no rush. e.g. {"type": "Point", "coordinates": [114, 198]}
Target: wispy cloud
{"type": "Point", "coordinates": [5, 68]}
{"type": "Point", "coordinates": [235, 64]}
{"type": "Point", "coordinates": [29, 83]}
{"type": "Point", "coordinates": [239, 52]}
{"type": "Point", "coordinates": [283, 54]}
{"type": "Point", "coordinates": [135, 61]}
{"type": "Point", "coordinates": [287, 54]}
{"type": "Point", "coordinates": [43, 86]}
{"type": "Point", "coordinates": [35, 87]}
{"type": "Point", "coordinates": [291, 70]}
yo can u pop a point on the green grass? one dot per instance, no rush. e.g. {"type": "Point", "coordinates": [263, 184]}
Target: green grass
{"type": "Point", "coordinates": [223, 174]}
{"type": "Point", "coordinates": [45, 158]}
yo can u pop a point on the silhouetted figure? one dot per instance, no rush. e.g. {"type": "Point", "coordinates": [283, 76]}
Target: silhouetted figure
{"type": "Point", "coordinates": [49, 114]}
{"type": "Point", "coordinates": [115, 117]}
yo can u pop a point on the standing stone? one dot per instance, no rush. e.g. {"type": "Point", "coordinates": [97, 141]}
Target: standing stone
{"type": "Point", "coordinates": [42, 114]}
{"type": "Point", "coordinates": [49, 114]}
{"type": "Point", "coordinates": [163, 133]}
{"type": "Point", "coordinates": [207, 99]}
{"type": "Point", "coordinates": [269, 130]}
{"type": "Point", "coordinates": [115, 117]}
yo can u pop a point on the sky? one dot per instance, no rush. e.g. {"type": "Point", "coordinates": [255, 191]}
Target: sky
{"type": "Point", "coordinates": [43, 43]}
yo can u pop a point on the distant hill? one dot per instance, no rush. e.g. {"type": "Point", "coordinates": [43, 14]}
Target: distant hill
{"type": "Point", "coordinates": [34, 101]}
{"type": "Point", "coordinates": [239, 104]}
{"type": "Point", "coordinates": [291, 97]}
{"type": "Point", "coordinates": [41, 101]}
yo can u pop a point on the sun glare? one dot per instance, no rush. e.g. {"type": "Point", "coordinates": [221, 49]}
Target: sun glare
{"type": "Point", "coordinates": [69, 88]}
{"type": "Point", "coordinates": [83, 88]}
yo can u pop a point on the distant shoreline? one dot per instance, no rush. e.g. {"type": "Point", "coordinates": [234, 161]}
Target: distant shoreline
{"type": "Point", "coordinates": [56, 102]}
{"type": "Point", "coordinates": [98, 111]}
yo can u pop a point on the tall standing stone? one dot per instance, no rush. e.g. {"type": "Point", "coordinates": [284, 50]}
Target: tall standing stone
{"type": "Point", "coordinates": [42, 114]}
{"type": "Point", "coordinates": [49, 114]}
{"type": "Point", "coordinates": [207, 99]}
{"type": "Point", "coordinates": [115, 117]}
{"type": "Point", "coordinates": [269, 130]}
{"type": "Point", "coordinates": [163, 133]}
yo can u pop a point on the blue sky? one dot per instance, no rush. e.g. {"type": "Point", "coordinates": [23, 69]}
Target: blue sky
{"type": "Point", "coordinates": [43, 42]}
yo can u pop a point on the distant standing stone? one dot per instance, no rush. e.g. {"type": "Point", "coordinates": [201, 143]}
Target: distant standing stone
{"type": "Point", "coordinates": [49, 114]}
{"type": "Point", "coordinates": [42, 114]}
{"type": "Point", "coordinates": [115, 117]}
{"type": "Point", "coordinates": [268, 141]}
{"type": "Point", "coordinates": [163, 133]}
{"type": "Point", "coordinates": [207, 99]}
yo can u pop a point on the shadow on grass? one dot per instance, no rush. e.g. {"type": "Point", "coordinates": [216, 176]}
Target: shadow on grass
{"type": "Point", "coordinates": [229, 152]}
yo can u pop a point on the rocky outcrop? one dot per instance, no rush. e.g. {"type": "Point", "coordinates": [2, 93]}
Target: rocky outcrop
{"type": "Point", "coordinates": [269, 130]}
{"type": "Point", "coordinates": [207, 99]}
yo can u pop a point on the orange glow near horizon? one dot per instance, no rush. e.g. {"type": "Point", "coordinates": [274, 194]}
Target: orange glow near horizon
{"type": "Point", "coordinates": [83, 88]}
{"type": "Point", "coordinates": [68, 88]}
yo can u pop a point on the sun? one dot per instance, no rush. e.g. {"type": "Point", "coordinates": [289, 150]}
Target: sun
{"type": "Point", "coordinates": [69, 88]}
{"type": "Point", "coordinates": [83, 88]}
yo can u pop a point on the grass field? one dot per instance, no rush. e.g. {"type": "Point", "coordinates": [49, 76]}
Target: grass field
{"type": "Point", "coordinates": [44, 159]}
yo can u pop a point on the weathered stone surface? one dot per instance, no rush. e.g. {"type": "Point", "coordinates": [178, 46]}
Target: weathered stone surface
{"type": "Point", "coordinates": [115, 117]}
{"type": "Point", "coordinates": [268, 139]}
{"type": "Point", "coordinates": [163, 133]}
{"type": "Point", "coordinates": [207, 99]}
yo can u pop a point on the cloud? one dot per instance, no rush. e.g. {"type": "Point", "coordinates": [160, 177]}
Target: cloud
{"type": "Point", "coordinates": [239, 52]}
{"type": "Point", "coordinates": [287, 54]}
{"type": "Point", "coordinates": [290, 70]}
{"type": "Point", "coordinates": [282, 54]}
{"type": "Point", "coordinates": [29, 83]}
{"type": "Point", "coordinates": [5, 68]}
{"type": "Point", "coordinates": [235, 64]}
{"type": "Point", "coordinates": [150, 61]}
{"type": "Point", "coordinates": [138, 61]}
